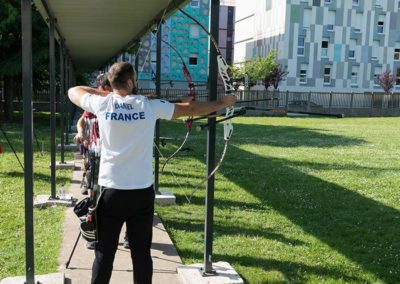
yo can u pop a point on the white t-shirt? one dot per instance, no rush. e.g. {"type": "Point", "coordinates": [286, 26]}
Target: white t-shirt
{"type": "Point", "coordinates": [127, 133]}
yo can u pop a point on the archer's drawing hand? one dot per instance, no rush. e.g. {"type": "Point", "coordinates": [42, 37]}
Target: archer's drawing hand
{"type": "Point", "coordinates": [78, 138]}
{"type": "Point", "coordinates": [229, 100]}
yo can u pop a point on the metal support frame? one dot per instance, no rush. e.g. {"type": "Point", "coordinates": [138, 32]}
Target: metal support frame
{"type": "Point", "coordinates": [26, 30]}
{"type": "Point", "coordinates": [157, 128]}
{"type": "Point", "coordinates": [52, 69]}
{"type": "Point", "coordinates": [211, 138]}
{"type": "Point", "coordinates": [62, 101]}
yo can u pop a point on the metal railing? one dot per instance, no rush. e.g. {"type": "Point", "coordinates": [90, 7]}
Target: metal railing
{"type": "Point", "coordinates": [350, 104]}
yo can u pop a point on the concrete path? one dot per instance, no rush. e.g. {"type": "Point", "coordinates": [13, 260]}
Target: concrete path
{"type": "Point", "coordinates": [165, 257]}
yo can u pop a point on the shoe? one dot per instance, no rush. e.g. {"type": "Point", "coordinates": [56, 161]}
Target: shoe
{"type": "Point", "coordinates": [84, 190]}
{"type": "Point", "coordinates": [90, 245]}
{"type": "Point", "coordinates": [126, 243]}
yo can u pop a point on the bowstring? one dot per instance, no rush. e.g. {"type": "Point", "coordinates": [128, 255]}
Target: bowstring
{"type": "Point", "coordinates": [175, 177]}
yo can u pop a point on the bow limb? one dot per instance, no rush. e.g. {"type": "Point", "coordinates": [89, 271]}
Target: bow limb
{"type": "Point", "coordinates": [229, 90]}
{"type": "Point", "coordinates": [192, 95]}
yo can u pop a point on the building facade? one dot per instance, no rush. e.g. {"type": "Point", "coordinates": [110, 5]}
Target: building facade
{"type": "Point", "coordinates": [227, 29]}
{"type": "Point", "coordinates": [190, 43]}
{"type": "Point", "coordinates": [326, 45]}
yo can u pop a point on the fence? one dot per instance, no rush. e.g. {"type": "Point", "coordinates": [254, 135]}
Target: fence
{"type": "Point", "coordinates": [350, 104]}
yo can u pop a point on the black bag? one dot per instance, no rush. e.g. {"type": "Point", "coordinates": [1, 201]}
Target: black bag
{"type": "Point", "coordinates": [82, 207]}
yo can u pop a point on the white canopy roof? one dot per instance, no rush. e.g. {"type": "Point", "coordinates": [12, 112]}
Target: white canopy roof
{"type": "Point", "coordinates": [97, 30]}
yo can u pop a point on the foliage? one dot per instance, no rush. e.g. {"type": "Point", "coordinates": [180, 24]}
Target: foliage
{"type": "Point", "coordinates": [386, 80]}
{"type": "Point", "coordinates": [264, 69]}
{"type": "Point", "coordinates": [297, 200]}
{"type": "Point", "coordinates": [275, 77]}
{"type": "Point", "coordinates": [10, 42]}
{"type": "Point", "coordinates": [260, 67]}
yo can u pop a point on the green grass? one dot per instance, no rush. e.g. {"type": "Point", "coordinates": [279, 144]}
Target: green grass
{"type": "Point", "coordinates": [47, 223]}
{"type": "Point", "coordinates": [297, 200]}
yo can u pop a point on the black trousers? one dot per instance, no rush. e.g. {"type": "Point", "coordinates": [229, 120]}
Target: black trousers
{"type": "Point", "coordinates": [136, 208]}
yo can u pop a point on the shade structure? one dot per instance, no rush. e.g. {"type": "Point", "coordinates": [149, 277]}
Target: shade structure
{"type": "Point", "coordinates": [97, 30]}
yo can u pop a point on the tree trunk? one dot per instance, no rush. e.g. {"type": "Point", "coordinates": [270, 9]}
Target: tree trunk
{"type": "Point", "coordinates": [8, 98]}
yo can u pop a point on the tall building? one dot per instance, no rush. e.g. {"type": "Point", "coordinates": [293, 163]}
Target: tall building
{"type": "Point", "coordinates": [227, 29]}
{"type": "Point", "coordinates": [326, 45]}
{"type": "Point", "coordinates": [191, 44]}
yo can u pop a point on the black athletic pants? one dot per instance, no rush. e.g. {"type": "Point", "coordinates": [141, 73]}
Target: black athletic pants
{"type": "Point", "coordinates": [136, 208]}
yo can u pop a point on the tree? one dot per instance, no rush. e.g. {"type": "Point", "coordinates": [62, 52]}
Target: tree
{"type": "Point", "coordinates": [386, 80]}
{"type": "Point", "coordinates": [10, 51]}
{"type": "Point", "coordinates": [275, 77]}
{"type": "Point", "coordinates": [258, 69]}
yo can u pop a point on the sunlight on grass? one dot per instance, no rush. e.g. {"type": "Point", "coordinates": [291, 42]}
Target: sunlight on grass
{"type": "Point", "coordinates": [304, 200]}
{"type": "Point", "coordinates": [297, 200]}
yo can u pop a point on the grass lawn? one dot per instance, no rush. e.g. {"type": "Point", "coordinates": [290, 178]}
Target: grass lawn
{"type": "Point", "coordinates": [297, 200]}
{"type": "Point", "coordinates": [47, 223]}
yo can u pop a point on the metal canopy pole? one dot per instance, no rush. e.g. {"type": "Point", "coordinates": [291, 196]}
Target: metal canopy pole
{"type": "Point", "coordinates": [67, 86]}
{"type": "Point", "coordinates": [158, 93]}
{"type": "Point", "coordinates": [52, 69]}
{"type": "Point", "coordinates": [211, 134]}
{"type": "Point", "coordinates": [62, 100]}
{"type": "Point", "coordinates": [26, 25]}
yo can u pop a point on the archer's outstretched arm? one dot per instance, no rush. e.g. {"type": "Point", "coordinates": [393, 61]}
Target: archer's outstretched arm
{"type": "Point", "coordinates": [194, 108]}
{"type": "Point", "coordinates": [75, 94]}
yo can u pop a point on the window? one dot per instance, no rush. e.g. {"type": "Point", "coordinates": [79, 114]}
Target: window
{"type": "Point", "coordinates": [303, 73]}
{"type": "Point", "coordinates": [195, 3]}
{"type": "Point", "coordinates": [355, 3]}
{"type": "Point", "coordinates": [316, 3]}
{"type": "Point", "coordinates": [301, 46]}
{"type": "Point", "coordinates": [398, 5]}
{"type": "Point", "coordinates": [354, 76]}
{"type": "Point", "coordinates": [328, 1]}
{"type": "Point", "coordinates": [307, 18]}
{"type": "Point", "coordinates": [194, 31]}
{"type": "Point", "coordinates": [352, 49]}
{"type": "Point", "coordinates": [375, 50]}
{"type": "Point", "coordinates": [329, 27]}
{"type": "Point", "coordinates": [153, 57]}
{"type": "Point", "coordinates": [397, 54]}
{"type": "Point", "coordinates": [358, 22]}
{"type": "Point", "coordinates": [398, 77]}
{"type": "Point", "coordinates": [377, 73]}
{"type": "Point", "coordinates": [327, 74]}
{"type": "Point", "coordinates": [193, 59]}
{"type": "Point", "coordinates": [324, 48]}
{"type": "Point", "coordinates": [268, 5]}
{"type": "Point", "coordinates": [330, 20]}
{"type": "Point", "coordinates": [378, 3]}
{"type": "Point", "coordinates": [381, 25]}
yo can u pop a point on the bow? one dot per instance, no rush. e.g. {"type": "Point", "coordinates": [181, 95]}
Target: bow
{"type": "Point", "coordinates": [229, 90]}
{"type": "Point", "coordinates": [192, 95]}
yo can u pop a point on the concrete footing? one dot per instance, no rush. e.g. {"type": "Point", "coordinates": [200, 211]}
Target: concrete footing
{"type": "Point", "coordinates": [43, 201]}
{"type": "Point", "coordinates": [224, 274]}
{"type": "Point", "coordinates": [165, 198]}
{"type": "Point", "coordinates": [52, 278]}
{"type": "Point", "coordinates": [69, 147]}
{"type": "Point", "coordinates": [66, 165]}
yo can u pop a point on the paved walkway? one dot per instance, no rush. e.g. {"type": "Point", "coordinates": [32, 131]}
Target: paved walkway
{"type": "Point", "coordinates": [165, 257]}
